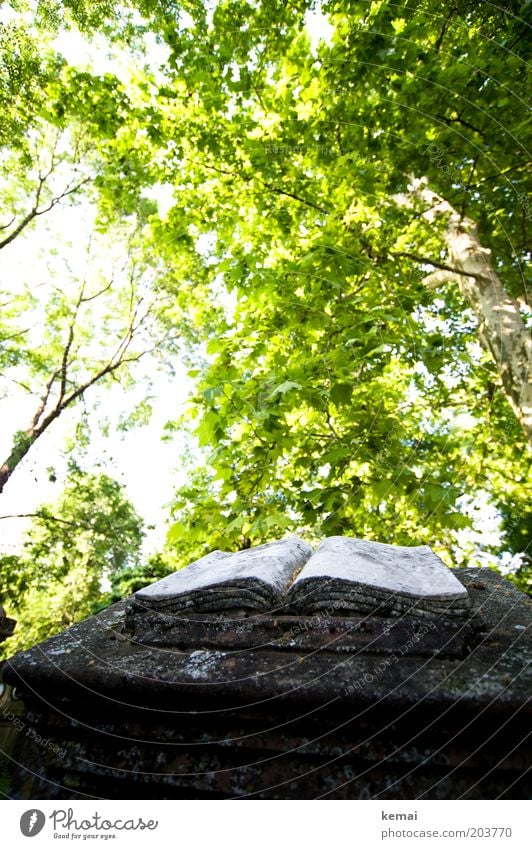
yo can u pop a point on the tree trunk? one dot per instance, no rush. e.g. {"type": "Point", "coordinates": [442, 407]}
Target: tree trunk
{"type": "Point", "coordinates": [501, 328]}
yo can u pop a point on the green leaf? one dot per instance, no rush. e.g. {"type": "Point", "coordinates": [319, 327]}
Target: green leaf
{"type": "Point", "coordinates": [285, 387]}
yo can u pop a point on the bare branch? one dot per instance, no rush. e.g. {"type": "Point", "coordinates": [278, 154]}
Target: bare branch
{"type": "Point", "coordinates": [247, 178]}
{"type": "Point", "coordinates": [48, 517]}
{"type": "Point", "coordinates": [44, 400]}
{"type": "Point", "coordinates": [38, 515]}
{"type": "Point", "coordinates": [8, 225]}
{"type": "Point", "coordinates": [443, 30]}
{"type": "Point", "coordinates": [18, 383]}
{"type": "Point", "coordinates": [462, 123]}
{"type": "Point", "coordinates": [14, 335]}
{"type": "Point", "coordinates": [140, 309]}
{"type": "Point", "coordinates": [35, 211]}
{"type": "Point", "coordinates": [68, 346]}
{"type": "Point", "coordinates": [438, 278]}
{"type": "Point", "coordinates": [436, 263]}
{"type": "Point", "coordinates": [85, 300]}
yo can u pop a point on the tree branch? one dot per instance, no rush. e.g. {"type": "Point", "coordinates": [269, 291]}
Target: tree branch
{"type": "Point", "coordinates": [43, 516]}
{"type": "Point", "coordinates": [35, 211]}
{"type": "Point", "coordinates": [8, 225]}
{"type": "Point", "coordinates": [441, 265]}
{"type": "Point", "coordinates": [443, 30]}
{"type": "Point", "coordinates": [272, 188]}
{"type": "Point", "coordinates": [64, 400]}
{"type": "Point", "coordinates": [462, 123]}
{"type": "Point", "coordinates": [44, 400]}
{"type": "Point", "coordinates": [68, 346]}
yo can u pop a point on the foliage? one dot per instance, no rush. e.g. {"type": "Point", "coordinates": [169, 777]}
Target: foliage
{"type": "Point", "coordinates": [91, 534]}
{"type": "Point", "coordinates": [127, 581]}
{"type": "Point", "coordinates": [339, 394]}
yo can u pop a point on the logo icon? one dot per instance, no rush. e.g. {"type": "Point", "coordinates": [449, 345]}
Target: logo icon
{"type": "Point", "coordinates": [32, 822]}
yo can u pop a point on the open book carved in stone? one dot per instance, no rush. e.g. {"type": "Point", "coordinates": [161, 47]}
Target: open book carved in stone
{"type": "Point", "coordinates": [343, 574]}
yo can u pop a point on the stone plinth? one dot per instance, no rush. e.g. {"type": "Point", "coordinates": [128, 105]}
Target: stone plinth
{"type": "Point", "coordinates": [140, 703]}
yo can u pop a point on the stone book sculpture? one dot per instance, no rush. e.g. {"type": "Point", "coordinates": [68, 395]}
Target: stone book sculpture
{"type": "Point", "coordinates": [255, 578]}
{"type": "Point", "coordinates": [358, 575]}
{"type": "Point", "coordinates": [344, 574]}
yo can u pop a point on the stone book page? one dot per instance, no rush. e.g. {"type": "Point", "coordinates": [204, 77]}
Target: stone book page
{"type": "Point", "coordinates": [255, 578]}
{"type": "Point", "coordinates": [344, 574]}
{"type": "Point", "coordinates": [348, 574]}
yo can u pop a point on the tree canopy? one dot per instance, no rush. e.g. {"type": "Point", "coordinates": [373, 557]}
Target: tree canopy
{"type": "Point", "coordinates": [339, 379]}
{"type": "Point", "coordinates": [321, 208]}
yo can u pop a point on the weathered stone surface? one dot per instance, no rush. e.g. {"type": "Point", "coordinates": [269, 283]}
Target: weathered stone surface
{"type": "Point", "coordinates": [232, 709]}
{"type": "Point", "coordinates": [338, 635]}
{"type": "Point", "coordinates": [256, 578]}
{"type": "Point", "coordinates": [354, 574]}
